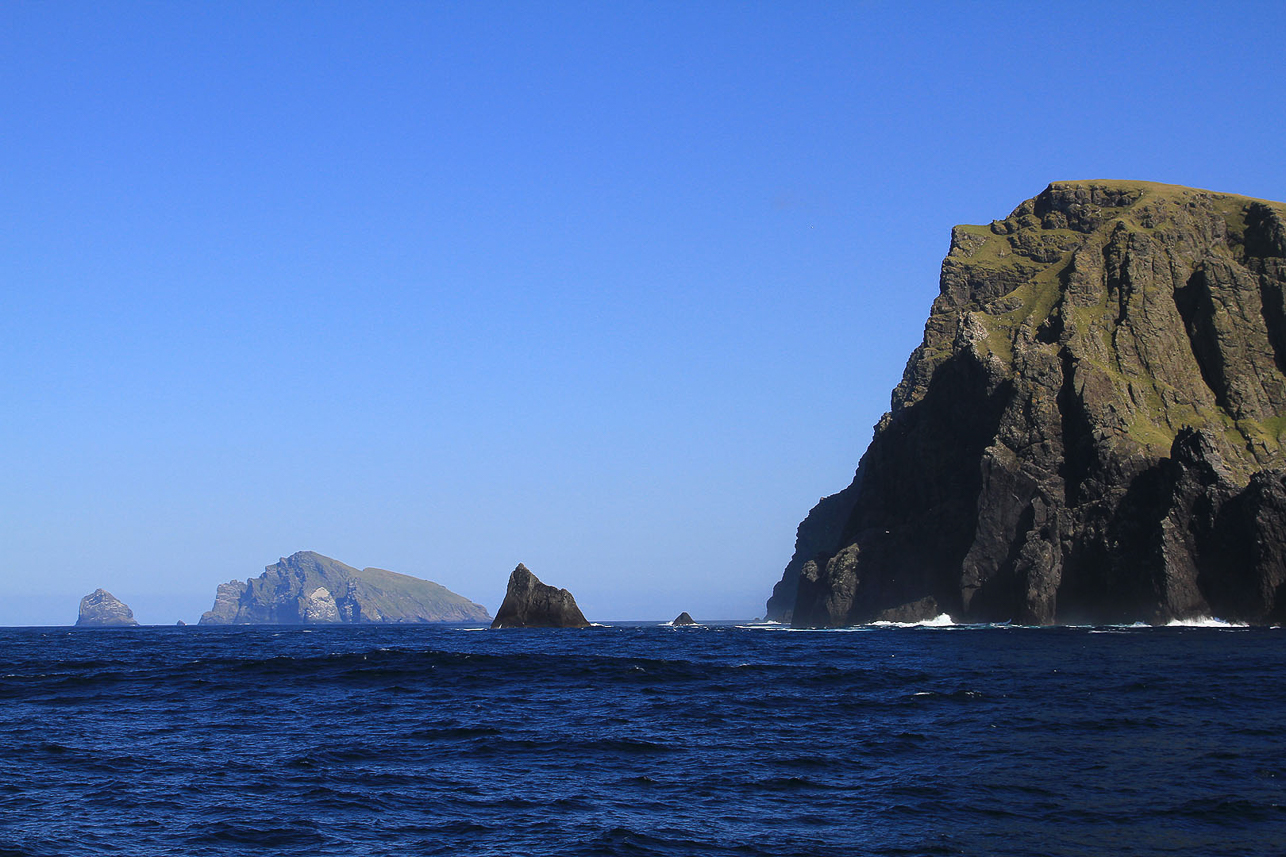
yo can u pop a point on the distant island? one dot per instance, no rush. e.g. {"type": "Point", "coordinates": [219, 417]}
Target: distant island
{"type": "Point", "coordinates": [307, 588]}
{"type": "Point", "coordinates": [1091, 431]}
{"type": "Point", "coordinates": [101, 609]}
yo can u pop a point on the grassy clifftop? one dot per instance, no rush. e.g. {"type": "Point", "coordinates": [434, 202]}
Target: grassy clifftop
{"type": "Point", "coordinates": [1165, 294]}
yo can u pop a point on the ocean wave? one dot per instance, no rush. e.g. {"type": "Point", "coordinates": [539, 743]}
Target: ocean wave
{"type": "Point", "coordinates": [410, 740]}
{"type": "Point", "coordinates": [1190, 622]}
{"type": "Point", "coordinates": [942, 620]}
{"type": "Point", "coordinates": [1204, 622]}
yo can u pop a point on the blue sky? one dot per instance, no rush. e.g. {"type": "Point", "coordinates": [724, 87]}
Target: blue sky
{"type": "Point", "coordinates": [614, 290]}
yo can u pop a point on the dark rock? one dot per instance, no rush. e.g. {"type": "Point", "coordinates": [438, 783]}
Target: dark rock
{"type": "Point", "coordinates": [307, 588]}
{"type": "Point", "coordinates": [180, 623]}
{"type": "Point", "coordinates": [1093, 429]}
{"type": "Point", "coordinates": [101, 609]}
{"type": "Point", "coordinates": [683, 619]}
{"type": "Point", "coordinates": [531, 604]}
{"type": "Point", "coordinates": [818, 532]}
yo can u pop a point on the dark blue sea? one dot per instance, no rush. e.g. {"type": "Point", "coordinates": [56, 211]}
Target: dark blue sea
{"type": "Point", "coordinates": [643, 740]}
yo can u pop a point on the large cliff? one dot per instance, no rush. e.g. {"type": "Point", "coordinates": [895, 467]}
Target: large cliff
{"type": "Point", "coordinates": [307, 588]}
{"type": "Point", "coordinates": [1091, 431]}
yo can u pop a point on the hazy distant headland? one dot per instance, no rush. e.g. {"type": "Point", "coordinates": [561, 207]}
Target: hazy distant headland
{"type": "Point", "coordinates": [1093, 429]}
{"type": "Point", "coordinates": [307, 588]}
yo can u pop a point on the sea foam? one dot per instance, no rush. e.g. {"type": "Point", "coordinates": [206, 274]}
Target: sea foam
{"type": "Point", "coordinates": [942, 620]}
{"type": "Point", "coordinates": [1204, 622]}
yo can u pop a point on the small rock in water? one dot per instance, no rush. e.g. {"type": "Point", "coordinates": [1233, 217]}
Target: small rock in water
{"type": "Point", "coordinates": [101, 609]}
{"type": "Point", "coordinates": [531, 604]}
{"type": "Point", "coordinates": [683, 619]}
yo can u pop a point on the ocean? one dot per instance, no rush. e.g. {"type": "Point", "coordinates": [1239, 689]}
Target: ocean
{"type": "Point", "coordinates": [643, 740]}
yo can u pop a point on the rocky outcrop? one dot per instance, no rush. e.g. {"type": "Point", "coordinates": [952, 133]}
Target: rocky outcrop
{"type": "Point", "coordinates": [531, 604]}
{"type": "Point", "coordinates": [101, 609]}
{"type": "Point", "coordinates": [683, 619]}
{"type": "Point", "coordinates": [227, 609]}
{"type": "Point", "coordinates": [1091, 431]}
{"type": "Point", "coordinates": [307, 588]}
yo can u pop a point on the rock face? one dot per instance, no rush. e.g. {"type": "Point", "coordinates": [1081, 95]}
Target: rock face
{"type": "Point", "coordinates": [307, 588]}
{"type": "Point", "coordinates": [1091, 431]}
{"type": "Point", "coordinates": [531, 604]}
{"type": "Point", "coordinates": [683, 619]}
{"type": "Point", "coordinates": [101, 609]}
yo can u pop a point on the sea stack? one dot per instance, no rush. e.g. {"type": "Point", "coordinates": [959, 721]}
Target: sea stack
{"type": "Point", "coordinates": [1092, 430]}
{"type": "Point", "coordinates": [101, 609]}
{"type": "Point", "coordinates": [683, 619]}
{"type": "Point", "coordinates": [531, 604]}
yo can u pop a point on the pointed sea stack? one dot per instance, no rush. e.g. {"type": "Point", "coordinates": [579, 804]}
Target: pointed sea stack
{"type": "Point", "coordinates": [531, 604]}
{"type": "Point", "coordinates": [1092, 430]}
{"type": "Point", "coordinates": [101, 609]}
{"type": "Point", "coordinates": [683, 619]}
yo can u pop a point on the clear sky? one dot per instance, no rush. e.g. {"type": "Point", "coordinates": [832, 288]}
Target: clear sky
{"type": "Point", "coordinates": [616, 290]}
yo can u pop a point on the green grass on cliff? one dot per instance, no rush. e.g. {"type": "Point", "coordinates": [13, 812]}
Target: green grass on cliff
{"type": "Point", "coordinates": [1270, 432]}
{"type": "Point", "coordinates": [400, 597]}
{"type": "Point", "coordinates": [1159, 189]}
{"type": "Point", "coordinates": [1152, 413]}
{"type": "Point", "coordinates": [1039, 296]}
{"type": "Point", "coordinates": [997, 252]}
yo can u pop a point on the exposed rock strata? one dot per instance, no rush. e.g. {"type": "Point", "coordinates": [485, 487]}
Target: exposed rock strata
{"type": "Point", "coordinates": [101, 609]}
{"type": "Point", "coordinates": [307, 588]}
{"type": "Point", "coordinates": [1092, 429]}
{"type": "Point", "coordinates": [531, 604]}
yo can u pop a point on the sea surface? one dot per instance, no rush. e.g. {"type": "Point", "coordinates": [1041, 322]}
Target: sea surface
{"type": "Point", "coordinates": [643, 740]}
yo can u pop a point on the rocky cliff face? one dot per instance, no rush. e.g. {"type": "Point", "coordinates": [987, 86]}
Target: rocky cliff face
{"type": "Point", "coordinates": [531, 604]}
{"type": "Point", "coordinates": [101, 609]}
{"type": "Point", "coordinates": [307, 588]}
{"type": "Point", "coordinates": [1092, 429]}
